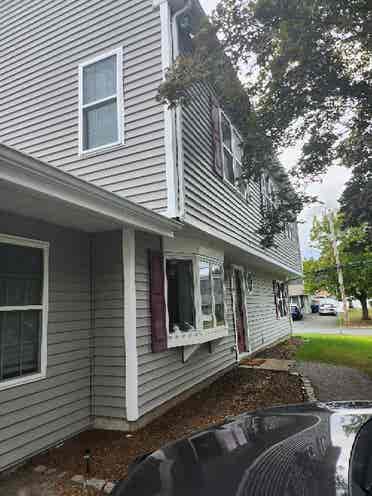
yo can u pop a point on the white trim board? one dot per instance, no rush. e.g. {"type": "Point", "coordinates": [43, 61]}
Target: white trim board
{"type": "Point", "coordinates": [169, 114]}
{"type": "Point", "coordinates": [130, 323]}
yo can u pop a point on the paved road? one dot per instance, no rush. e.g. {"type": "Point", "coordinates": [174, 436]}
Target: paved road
{"type": "Point", "coordinates": [326, 324]}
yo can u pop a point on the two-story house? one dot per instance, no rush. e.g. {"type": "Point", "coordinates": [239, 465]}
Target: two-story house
{"type": "Point", "coordinates": [131, 271]}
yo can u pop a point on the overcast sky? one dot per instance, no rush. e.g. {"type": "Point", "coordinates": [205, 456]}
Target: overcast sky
{"type": "Point", "coordinates": [328, 191]}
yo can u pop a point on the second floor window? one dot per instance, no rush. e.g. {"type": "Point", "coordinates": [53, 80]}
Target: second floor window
{"type": "Point", "coordinates": [228, 151]}
{"type": "Point", "coordinates": [101, 102]}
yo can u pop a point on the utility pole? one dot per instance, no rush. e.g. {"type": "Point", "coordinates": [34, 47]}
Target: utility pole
{"type": "Point", "coordinates": [338, 265]}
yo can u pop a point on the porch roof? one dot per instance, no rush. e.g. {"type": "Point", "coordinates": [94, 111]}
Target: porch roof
{"type": "Point", "coordinates": [34, 188]}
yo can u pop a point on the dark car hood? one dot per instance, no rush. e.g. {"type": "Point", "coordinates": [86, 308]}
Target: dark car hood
{"type": "Point", "coordinates": [299, 450]}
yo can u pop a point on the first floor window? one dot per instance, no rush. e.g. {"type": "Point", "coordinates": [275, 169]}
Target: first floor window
{"type": "Point", "coordinates": [101, 102]}
{"type": "Point", "coordinates": [218, 294]}
{"type": "Point", "coordinates": [206, 294]}
{"type": "Point", "coordinates": [195, 294]}
{"type": "Point", "coordinates": [22, 271]}
{"type": "Point", "coordinates": [180, 295]}
{"type": "Point", "coordinates": [280, 297]}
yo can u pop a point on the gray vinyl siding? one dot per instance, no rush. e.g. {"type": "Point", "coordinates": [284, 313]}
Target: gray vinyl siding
{"type": "Point", "coordinates": [163, 376]}
{"type": "Point", "coordinates": [109, 346]}
{"type": "Point", "coordinates": [264, 327]}
{"type": "Point", "coordinates": [42, 45]}
{"type": "Point", "coordinates": [214, 205]}
{"type": "Point", "coordinates": [39, 414]}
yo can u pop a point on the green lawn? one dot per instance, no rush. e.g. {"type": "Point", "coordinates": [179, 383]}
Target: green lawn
{"type": "Point", "coordinates": [355, 316]}
{"type": "Point", "coordinates": [351, 351]}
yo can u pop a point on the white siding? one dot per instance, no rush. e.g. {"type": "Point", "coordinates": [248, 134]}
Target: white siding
{"type": "Point", "coordinates": [214, 205]}
{"type": "Point", "coordinates": [162, 376]}
{"type": "Point", "coordinates": [265, 328]}
{"type": "Point", "coordinates": [36, 415]}
{"type": "Point", "coordinates": [42, 45]}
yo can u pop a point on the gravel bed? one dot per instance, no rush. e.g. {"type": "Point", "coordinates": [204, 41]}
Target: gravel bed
{"type": "Point", "coordinates": [334, 382]}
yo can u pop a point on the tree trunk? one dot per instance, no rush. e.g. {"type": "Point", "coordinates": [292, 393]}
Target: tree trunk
{"type": "Point", "coordinates": [364, 302]}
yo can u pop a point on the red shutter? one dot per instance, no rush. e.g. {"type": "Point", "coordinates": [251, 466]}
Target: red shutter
{"type": "Point", "coordinates": [216, 138]}
{"type": "Point", "coordinates": [157, 302]}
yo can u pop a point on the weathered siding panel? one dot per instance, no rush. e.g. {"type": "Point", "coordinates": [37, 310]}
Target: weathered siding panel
{"type": "Point", "coordinates": [108, 321]}
{"type": "Point", "coordinates": [39, 89]}
{"type": "Point", "coordinates": [263, 324]}
{"type": "Point", "coordinates": [39, 414]}
{"type": "Point", "coordinates": [162, 376]}
{"type": "Point", "coordinates": [214, 205]}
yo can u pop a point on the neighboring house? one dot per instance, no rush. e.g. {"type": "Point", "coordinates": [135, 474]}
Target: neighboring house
{"type": "Point", "coordinates": [298, 296]}
{"type": "Point", "coordinates": [130, 267]}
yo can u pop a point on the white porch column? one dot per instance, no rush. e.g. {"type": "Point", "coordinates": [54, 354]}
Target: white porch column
{"type": "Point", "coordinates": [130, 318]}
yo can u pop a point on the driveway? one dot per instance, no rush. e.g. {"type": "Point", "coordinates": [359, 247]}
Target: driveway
{"type": "Point", "coordinates": [325, 324]}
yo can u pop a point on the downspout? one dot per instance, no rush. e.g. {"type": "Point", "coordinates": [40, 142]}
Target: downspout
{"type": "Point", "coordinates": [91, 328]}
{"type": "Point", "coordinates": [178, 114]}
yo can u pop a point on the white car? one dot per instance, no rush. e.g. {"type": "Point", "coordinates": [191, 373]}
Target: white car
{"type": "Point", "coordinates": [328, 307]}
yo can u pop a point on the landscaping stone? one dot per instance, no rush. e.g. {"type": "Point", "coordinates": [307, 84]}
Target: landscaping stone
{"type": "Point", "coordinates": [96, 483]}
{"type": "Point", "coordinates": [50, 471]}
{"type": "Point", "coordinates": [273, 364]}
{"type": "Point", "coordinates": [40, 469]}
{"type": "Point", "coordinates": [78, 479]}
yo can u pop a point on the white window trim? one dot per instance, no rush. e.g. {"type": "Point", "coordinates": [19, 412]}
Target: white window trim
{"type": "Point", "coordinates": [199, 335]}
{"type": "Point", "coordinates": [44, 246]}
{"type": "Point", "coordinates": [118, 52]}
{"type": "Point", "coordinates": [233, 131]}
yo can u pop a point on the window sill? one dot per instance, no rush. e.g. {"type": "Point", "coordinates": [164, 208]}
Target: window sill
{"type": "Point", "coordinates": [21, 381]}
{"type": "Point", "coordinates": [234, 189]}
{"type": "Point", "coordinates": [196, 337]}
{"type": "Point", "coordinates": [101, 150]}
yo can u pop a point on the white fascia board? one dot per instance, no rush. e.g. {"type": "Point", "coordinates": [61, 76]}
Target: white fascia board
{"type": "Point", "coordinates": [130, 323]}
{"type": "Point", "coordinates": [25, 171]}
{"type": "Point", "coordinates": [248, 249]}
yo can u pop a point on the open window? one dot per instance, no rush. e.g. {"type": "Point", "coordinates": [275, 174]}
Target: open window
{"type": "Point", "coordinates": [23, 310]}
{"type": "Point", "coordinates": [194, 292]}
{"type": "Point", "coordinates": [180, 295]}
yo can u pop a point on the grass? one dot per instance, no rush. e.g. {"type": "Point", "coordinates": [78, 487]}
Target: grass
{"type": "Point", "coordinates": [350, 351]}
{"type": "Point", "coordinates": [355, 316]}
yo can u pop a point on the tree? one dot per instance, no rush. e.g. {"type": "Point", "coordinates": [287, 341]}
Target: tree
{"type": "Point", "coordinates": [355, 251]}
{"type": "Point", "coordinates": [309, 74]}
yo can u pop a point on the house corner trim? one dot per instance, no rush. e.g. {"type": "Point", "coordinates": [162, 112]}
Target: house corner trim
{"type": "Point", "coordinates": [169, 114]}
{"type": "Point", "coordinates": [130, 317]}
